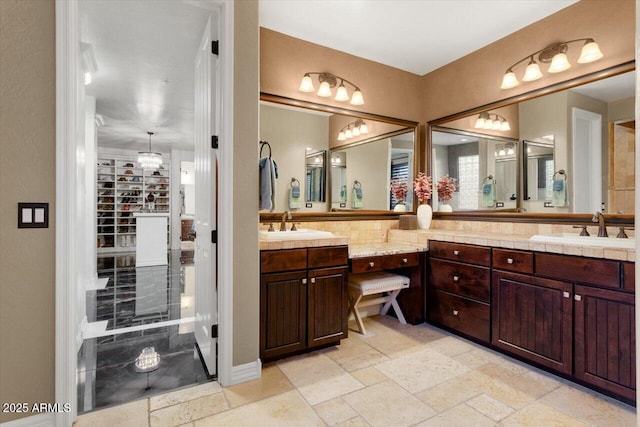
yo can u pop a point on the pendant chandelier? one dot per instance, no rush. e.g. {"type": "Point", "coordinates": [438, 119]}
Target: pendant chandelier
{"type": "Point", "coordinates": [149, 159]}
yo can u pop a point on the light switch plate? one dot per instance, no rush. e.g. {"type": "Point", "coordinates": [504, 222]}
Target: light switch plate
{"type": "Point", "coordinates": [33, 215]}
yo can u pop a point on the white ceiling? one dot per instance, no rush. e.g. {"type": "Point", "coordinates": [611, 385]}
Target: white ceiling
{"type": "Point", "coordinates": [418, 36]}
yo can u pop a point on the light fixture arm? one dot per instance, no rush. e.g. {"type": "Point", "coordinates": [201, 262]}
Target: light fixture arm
{"type": "Point", "coordinates": [330, 78]}
{"type": "Point", "coordinates": [554, 47]}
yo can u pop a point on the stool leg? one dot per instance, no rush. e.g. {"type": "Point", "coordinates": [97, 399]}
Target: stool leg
{"type": "Point", "coordinates": [387, 304]}
{"type": "Point", "coordinates": [396, 307]}
{"type": "Point", "coordinates": [356, 314]}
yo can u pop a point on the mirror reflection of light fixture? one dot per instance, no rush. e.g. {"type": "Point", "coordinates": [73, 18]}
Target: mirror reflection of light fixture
{"type": "Point", "coordinates": [353, 129]}
{"type": "Point", "coordinates": [149, 159]}
{"type": "Point", "coordinates": [328, 81]}
{"type": "Point", "coordinates": [505, 150]}
{"type": "Point", "coordinates": [498, 122]}
{"type": "Point", "coordinates": [555, 55]}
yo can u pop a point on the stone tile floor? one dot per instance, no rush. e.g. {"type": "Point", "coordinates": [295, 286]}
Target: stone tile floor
{"type": "Point", "coordinates": [396, 375]}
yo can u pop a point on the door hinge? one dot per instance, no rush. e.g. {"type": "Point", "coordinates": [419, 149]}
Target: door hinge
{"type": "Point", "coordinates": [214, 236]}
{"type": "Point", "coordinates": [215, 46]}
{"type": "Point", "coordinates": [214, 331]}
{"type": "Point", "coordinates": [214, 142]}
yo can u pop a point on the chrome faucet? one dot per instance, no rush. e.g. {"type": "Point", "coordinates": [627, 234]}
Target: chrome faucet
{"type": "Point", "coordinates": [283, 224]}
{"type": "Point", "coordinates": [602, 227]}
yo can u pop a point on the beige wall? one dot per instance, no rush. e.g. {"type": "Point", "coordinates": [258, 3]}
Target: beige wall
{"type": "Point", "coordinates": [27, 174]}
{"type": "Point", "coordinates": [478, 76]}
{"type": "Point", "coordinates": [246, 268]}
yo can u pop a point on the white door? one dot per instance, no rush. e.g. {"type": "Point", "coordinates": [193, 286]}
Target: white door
{"type": "Point", "coordinates": [587, 158]}
{"type": "Point", "coordinates": [205, 256]}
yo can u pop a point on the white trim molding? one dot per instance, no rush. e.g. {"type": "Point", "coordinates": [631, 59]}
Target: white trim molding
{"type": "Point", "coordinates": [247, 372]}
{"type": "Point", "coordinates": [40, 420]}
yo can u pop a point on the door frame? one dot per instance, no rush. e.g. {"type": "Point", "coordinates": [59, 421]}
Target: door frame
{"type": "Point", "coordinates": [69, 107]}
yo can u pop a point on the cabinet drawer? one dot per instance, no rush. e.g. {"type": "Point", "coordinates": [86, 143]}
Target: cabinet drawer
{"type": "Point", "coordinates": [510, 260]}
{"type": "Point", "coordinates": [458, 252]}
{"type": "Point", "coordinates": [329, 256]}
{"type": "Point", "coordinates": [460, 279]}
{"type": "Point", "coordinates": [384, 262]}
{"type": "Point", "coordinates": [460, 314]}
{"type": "Point", "coordinates": [283, 260]}
{"type": "Point", "coordinates": [598, 272]}
{"type": "Point", "coordinates": [629, 276]}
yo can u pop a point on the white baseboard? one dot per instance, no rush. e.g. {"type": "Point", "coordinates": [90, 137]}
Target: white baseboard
{"type": "Point", "coordinates": [247, 372]}
{"type": "Point", "coordinates": [40, 420]}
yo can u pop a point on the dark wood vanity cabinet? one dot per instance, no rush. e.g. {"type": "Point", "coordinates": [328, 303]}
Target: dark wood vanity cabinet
{"type": "Point", "coordinates": [573, 315]}
{"type": "Point", "coordinates": [303, 301]}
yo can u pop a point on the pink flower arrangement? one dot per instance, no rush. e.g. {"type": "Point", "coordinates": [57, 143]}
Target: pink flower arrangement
{"type": "Point", "coordinates": [422, 186]}
{"type": "Point", "coordinates": [399, 189]}
{"type": "Point", "coordinates": [446, 186]}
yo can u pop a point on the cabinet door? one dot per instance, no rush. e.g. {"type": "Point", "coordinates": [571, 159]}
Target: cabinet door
{"type": "Point", "coordinates": [283, 314]}
{"type": "Point", "coordinates": [328, 306]}
{"type": "Point", "coordinates": [532, 318]}
{"type": "Point", "coordinates": [605, 340]}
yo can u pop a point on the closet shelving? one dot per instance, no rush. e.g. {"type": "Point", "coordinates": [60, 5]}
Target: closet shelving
{"type": "Point", "coordinates": [122, 190]}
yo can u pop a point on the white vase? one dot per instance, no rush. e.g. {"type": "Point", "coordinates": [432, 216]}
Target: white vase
{"type": "Point", "coordinates": [400, 207]}
{"type": "Point", "coordinates": [445, 207]}
{"type": "Point", "coordinates": [424, 216]}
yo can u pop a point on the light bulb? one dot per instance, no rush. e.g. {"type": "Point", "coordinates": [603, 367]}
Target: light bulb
{"type": "Point", "coordinates": [87, 78]}
{"type": "Point", "coordinates": [479, 123]}
{"type": "Point", "coordinates": [338, 160]}
{"type": "Point", "coordinates": [501, 152]}
{"type": "Point", "coordinates": [532, 72]}
{"type": "Point", "coordinates": [341, 136]}
{"type": "Point", "coordinates": [510, 151]}
{"type": "Point", "coordinates": [356, 131]}
{"type": "Point", "coordinates": [559, 63]}
{"type": "Point", "coordinates": [497, 125]}
{"type": "Point", "coordinates": [505, 126]}
{"type": "Point", "coordinates": [324, 90]}
{"type": "Point", "coordinates": [509, 80]}
{"type": "Point", "coordinates": [363, 128]}
{"type": "Point", "coordinates": [590, 52]}
{"type": "Point", "coordinates": [341, 93]}
{"type": "Point", "coordinates": [306, 85]}
{"type": "Point", "coordinates": [348, 133]}
{"type": "Point", "coordinates": [356, 98]}
{"type": "Point", "coordinates": [488, 124]}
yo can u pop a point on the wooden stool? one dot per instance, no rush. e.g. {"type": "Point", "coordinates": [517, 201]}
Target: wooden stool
{"type": "Point", "coordinates": [361, 285]}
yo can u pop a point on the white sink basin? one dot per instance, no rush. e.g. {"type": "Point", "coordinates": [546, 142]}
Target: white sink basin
{"type": "Point", "coordinates": [300, 234]}
{"type": "Point", "coordinates": [576, 239]}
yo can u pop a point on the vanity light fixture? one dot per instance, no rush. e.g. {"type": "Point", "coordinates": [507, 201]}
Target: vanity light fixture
{"type": "Point", "coordinates": [485, 121]}
{"type": "Point", "coordinates": [149, 159]}
{"type": "Point", "coordinates": [505, 150]}
{"type": "Point", "coordinates": [328, 81]}
{"type": "Point", "coordinates": [357, 128]}
{"type": "Point", "coordinates": [555, 55]}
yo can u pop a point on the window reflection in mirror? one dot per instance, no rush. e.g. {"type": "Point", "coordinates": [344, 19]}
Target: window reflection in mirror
{"type": "Point", "coordinates": [485, 168]}
{"type": "Point", "coordinates": [315, 176]}
{"type": "Point", "coordinates": [538, 169]}
{"type": "Point", "coordinates": [338, 180]}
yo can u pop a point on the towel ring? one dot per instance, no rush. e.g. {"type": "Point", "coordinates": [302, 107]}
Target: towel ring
{"type": "Point", "coordinates": [262, 144]}
{"type": "Point", "coordinates": [560, 172]}
{"type": "Point", "coordinates": [490, 179]}
{"type": "Point", "coordinates": [356, 184]}
{"type": "Point", "coordinates": [294, 180]}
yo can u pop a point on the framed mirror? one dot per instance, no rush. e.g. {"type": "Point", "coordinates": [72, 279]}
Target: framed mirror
{"type": "Point", "coordinates": [583, 127]}
{"type": "Point", "coordinates": [340, 148]}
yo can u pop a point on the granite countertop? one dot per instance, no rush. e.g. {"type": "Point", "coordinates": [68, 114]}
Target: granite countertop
{"type": "Point", "coordinates": [386, 248]}
{"type": "Point", "coordinates": [508, 241]}
{"type": "Point", "coordinates": [302, 243]}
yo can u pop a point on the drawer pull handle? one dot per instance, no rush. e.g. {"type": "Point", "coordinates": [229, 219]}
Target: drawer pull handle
{"type": "Point", "coordinates": [509, 260]}
{"type": "Point", "coordinates": [566, 294]}
{"type": "Point", "coordinates": [404, 260]}
{"type": "Point", "coordinates": [577, 297]}
{"type": "Point", "coordinates": [455, 312]}
{"type": "Point", "coordinates": [371, 264]}
{"type": "Point", "coordinates": [456, 253]}
{"type": "Point", "coordinates": [304, 281]}
{"type": "Point", "coordinates": [456, 278]}
{"type": "Point", "coordinates": [313, 280]}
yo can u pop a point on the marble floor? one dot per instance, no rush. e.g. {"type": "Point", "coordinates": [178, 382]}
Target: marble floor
{"type": "Point", "coordinates": [138, 308]}
{"type": "Point", "coordinates": [396, 375]}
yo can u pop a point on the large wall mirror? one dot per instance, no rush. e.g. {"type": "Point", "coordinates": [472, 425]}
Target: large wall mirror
{"type": "Point", "coordinates": [573, 149]}
{"type": "Point", "coordinates": [342, 161]}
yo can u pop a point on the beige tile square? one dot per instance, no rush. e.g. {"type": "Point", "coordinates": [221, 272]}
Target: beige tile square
{"type": "Point", "coordinates": [335, 411]}
{"type": "Point", "coordinates": [354, 422]}
{"type": "Point", "coordinates": [354, 354]}
{"type": "Point", "coordinates": [448, 394]}
{"type": "Point", "coordinates": [475, 358]}
{"type": "Point", "coordinates": [538, 414]}
{"type": "Point", "coordinates": [283, 410]}
{"type": "Point", "coordinates": [496, 388]}
{"type": "Point", "coordinates": [369, 376]}
{"type": "Point", "coordinates": [617, 254]}
{"type": "Point", "coordinates": [318, 378]}
{"type": "Point", "coordinates": [183, 395]}
{"type": "Point", "coordinates": [421, 370]}
{"type": "Point", "coordinates": [134, 414]}
{"type": "Point", "coordinates": [387, 404]}
{"type": "Point", "coordinates": [490, 407]}
{"type": "Point", "coordinates": [271, 382]}
{"type": "Point", "coordinates": [460, 416]}
{"type": "Point", "coordinates": [451, 346]}
{"type": "Point", "coordinates": [590, 407]}
{"type": "Point", "coordinates": [191, 410]}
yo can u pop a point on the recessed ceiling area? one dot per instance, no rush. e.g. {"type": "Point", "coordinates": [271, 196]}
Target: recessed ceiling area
{"type": "Point", "coordinates": [418, 36]}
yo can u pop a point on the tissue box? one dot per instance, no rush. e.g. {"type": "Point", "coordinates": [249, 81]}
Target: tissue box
{"type": "Point", "coordinates": [408, 222]}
